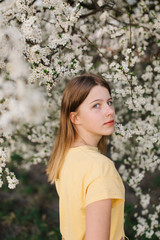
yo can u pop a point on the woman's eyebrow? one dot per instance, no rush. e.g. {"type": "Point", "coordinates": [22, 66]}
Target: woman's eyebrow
{"type": "Point", "coordinates": [100, 100]}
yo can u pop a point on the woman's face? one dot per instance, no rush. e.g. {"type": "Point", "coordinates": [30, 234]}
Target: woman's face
{"type": "Point", "coordinates": [94, 113]}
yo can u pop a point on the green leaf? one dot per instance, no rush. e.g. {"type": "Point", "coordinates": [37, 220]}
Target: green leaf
{"type": "Point", "coordinates": [35, 64]}
{"type": "Point", "coordinates": [45, 71]}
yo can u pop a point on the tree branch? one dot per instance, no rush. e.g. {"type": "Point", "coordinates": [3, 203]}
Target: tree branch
{"type": "Point", "coordinates": [96, 8]}
{"type": "Point", "coordinates": [95, 4]}
{"type": "Point", "coordinates": [31, 3]}
{"type": "Point", "coordinates": [87, 5]}
{"type": "Point", "coordinates": [92, 43]}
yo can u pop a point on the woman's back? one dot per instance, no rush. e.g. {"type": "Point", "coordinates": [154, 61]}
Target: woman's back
{"type": "Point", "coordinates": [88, 176]}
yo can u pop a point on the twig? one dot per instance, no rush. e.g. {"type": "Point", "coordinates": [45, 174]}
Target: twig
{"type": "Point", "coordinates": [94, 2]}
{"type": "Point", "coordinates": [98, 9]}
{"type": "Point", "coordinates": [130, 36]}
{"type": "Point", "coordinates": [92, 43]}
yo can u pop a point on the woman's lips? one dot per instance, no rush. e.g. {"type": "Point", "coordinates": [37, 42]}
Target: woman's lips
{"type": "Point", "coordinates": [109, 123]}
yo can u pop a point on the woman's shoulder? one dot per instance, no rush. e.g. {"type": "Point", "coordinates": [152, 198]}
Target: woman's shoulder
{"type": "Point", "coordinates": [89, 156]}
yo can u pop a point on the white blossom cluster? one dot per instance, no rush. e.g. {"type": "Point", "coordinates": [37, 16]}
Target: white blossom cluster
{"type": "Point", "coordinates": [148, 229]}
{"type": "Point", "coordinates": [31, 30]}
{"type": "Point", "coordinates": [46, 42]}
{"type": "Point", "coordinates": [10, 176]}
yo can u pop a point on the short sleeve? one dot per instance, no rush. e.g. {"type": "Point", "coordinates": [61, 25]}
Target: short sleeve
{"type": "Point", "coordinates": [103, 182]}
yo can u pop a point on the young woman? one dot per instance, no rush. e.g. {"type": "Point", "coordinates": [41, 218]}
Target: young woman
{"type": "Point", "coordinates": [91, 193]}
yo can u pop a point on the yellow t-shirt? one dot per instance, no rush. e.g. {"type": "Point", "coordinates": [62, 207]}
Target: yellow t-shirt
{"type": "Point", "coordinates": [88, 176]}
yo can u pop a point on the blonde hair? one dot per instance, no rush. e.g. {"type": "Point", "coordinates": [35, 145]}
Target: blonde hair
{"type": "Point", "coordinates": [74, 94]}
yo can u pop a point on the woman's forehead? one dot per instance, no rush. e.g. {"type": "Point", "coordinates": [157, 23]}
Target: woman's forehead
{"type": "Point", "coordinates": [98, 93]}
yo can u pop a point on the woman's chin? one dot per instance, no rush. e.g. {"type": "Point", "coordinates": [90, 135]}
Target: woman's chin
{"type": "Point", "coordinates": [109, 132]}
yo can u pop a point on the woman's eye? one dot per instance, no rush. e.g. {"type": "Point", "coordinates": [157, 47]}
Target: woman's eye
{"type": "Point", "coordinates": [109, 103]}
{"type": "Point", "coordinates": [96, 105]}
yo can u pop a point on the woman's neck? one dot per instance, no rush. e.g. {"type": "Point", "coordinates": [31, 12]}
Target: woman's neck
{"type": "Point", "coordinates": [81, 142]}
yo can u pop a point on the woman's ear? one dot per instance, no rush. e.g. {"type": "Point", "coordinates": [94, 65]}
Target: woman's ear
{"type": "Point", "coordinates": [74, 117]}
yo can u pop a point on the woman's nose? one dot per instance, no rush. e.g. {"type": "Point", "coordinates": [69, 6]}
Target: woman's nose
{"type": "Point", "coordinates": [109, 110]}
